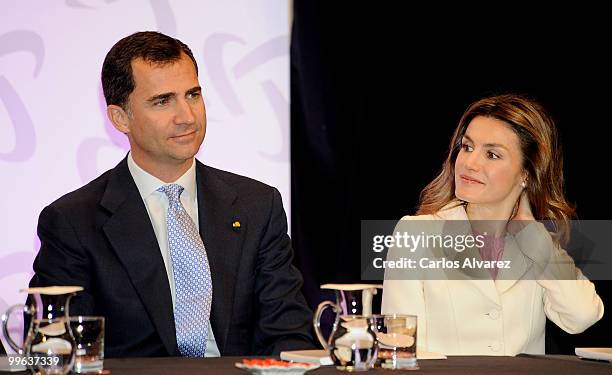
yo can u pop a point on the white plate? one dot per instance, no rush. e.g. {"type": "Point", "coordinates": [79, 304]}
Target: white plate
{"type": "Point", "coordinates": [295, 369]}
{"type": "Point", "coordinates": [351, 287]}
{"type": "Point", "coordinates": [603, 354]}
{"type": "Point", "coordinates": [53, 290]}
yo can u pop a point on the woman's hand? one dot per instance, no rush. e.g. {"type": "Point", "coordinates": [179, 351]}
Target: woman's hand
{"type": "Point", "coordinates": [523, 216]}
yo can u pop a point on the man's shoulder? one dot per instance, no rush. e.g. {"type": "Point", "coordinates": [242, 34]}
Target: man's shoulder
{"type": "Point", "coordinates": [85, 197]}
{"type": "Point", "coordinates": [242, 185]}
{"type": "Point", "coordinates": [247, 195]}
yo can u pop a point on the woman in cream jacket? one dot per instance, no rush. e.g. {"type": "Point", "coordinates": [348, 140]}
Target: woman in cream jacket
{"type": "Point", "coordinates": [504, 166]}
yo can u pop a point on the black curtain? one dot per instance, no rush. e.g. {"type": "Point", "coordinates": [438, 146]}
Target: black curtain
{"type": "Point", "coordinates": [326, 112]}
{"type": "Point", "coordinates": [376, 91]}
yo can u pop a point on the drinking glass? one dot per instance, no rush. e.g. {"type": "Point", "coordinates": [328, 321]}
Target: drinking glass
{"type": "Point", "coordinates": [88, 332]}
{"type": "Point", "coordinates": [397, 341]}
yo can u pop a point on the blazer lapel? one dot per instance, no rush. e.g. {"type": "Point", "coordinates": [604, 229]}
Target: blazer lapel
{"type": "Point", "coordinates": [479, 278]}
{"type": "Point", "coordinates": [519, 265]}
{"type": "Point", "coordinates": [221, 225]}
{"type": "Point", "coordinates": [131, 235]}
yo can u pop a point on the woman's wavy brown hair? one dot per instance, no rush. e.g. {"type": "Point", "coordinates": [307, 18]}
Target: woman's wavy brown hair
{"type": "Point", "coordinates": [542, 160]}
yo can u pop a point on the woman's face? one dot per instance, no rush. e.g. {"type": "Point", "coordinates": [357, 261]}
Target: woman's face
{"type": "Point", "coordinates": [488, 168]}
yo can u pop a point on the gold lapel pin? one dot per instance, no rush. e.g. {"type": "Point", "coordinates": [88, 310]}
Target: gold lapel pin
{"type": "Point", "coordinates": [236, 224]}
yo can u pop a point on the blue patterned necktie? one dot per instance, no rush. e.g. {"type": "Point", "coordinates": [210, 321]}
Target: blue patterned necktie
{"type": "Point", "coordinates": [192, 279]}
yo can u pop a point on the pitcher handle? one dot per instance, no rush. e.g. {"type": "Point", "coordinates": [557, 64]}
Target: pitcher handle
{"type": "Point", "coordinates": [316, 321]}
{"type": "Point", "coordinates": [5, 332]}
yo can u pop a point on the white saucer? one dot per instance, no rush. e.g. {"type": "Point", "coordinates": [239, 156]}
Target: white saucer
{"type": "Point", "coordinates": [602, 354]}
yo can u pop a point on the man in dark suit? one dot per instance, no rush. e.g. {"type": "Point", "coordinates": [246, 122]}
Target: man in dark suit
{"type": "Point", "coordinates": [128, 236]}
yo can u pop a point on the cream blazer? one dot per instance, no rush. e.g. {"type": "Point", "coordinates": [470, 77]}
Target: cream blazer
{"type": "Point", "coordinates": [501, 317]}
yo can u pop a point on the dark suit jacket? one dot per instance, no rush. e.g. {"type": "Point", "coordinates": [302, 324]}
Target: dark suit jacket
{"type": "Point", "coordinates": [100, 237]}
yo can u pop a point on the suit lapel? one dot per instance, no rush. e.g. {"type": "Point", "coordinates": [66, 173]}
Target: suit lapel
{"type": "Point", "coordinates": [131, 235]}
{"type": "Point", "coordinates": [223, 240]}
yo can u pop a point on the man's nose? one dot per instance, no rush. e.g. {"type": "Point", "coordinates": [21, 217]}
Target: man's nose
{"type": "Point", "coordinates": [184, 113]}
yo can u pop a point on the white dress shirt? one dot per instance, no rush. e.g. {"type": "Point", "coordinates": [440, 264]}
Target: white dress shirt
{"type": "Point", "coordinates": [157, 206]}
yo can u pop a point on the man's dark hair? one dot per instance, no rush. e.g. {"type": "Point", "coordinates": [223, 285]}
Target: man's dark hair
{"type": "Point", "coordinates": [151, 46]}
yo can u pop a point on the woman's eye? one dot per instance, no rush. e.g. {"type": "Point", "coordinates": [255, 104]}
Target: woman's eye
{"type": "Point", "coordinates": [466, 147]}
{"type": "Point", "coordinates": [492, 155]}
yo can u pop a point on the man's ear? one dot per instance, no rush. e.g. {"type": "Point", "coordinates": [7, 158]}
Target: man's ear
{"type": "Point", "coordinates": [119, 117]}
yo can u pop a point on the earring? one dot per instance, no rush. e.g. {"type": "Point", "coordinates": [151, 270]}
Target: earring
{"type": "Point", "coordinates": [524, 184]}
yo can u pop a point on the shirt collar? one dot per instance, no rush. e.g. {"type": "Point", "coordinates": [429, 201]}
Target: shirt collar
{"type": "Point", "coordinates": [148, 184]}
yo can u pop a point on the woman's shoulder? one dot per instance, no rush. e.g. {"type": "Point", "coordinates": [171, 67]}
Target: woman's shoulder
{"type": "Point", "coordinates": [454, 210]}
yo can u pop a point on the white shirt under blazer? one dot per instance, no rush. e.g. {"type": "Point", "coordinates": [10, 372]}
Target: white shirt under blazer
{"type": "Point", "coordinates": [494, 317]}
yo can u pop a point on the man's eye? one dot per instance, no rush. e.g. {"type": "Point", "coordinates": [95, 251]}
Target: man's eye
{"type": "Point", "coordinates": [195, 95]}
{"type": "Point", "coordinates": [160, 102]}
